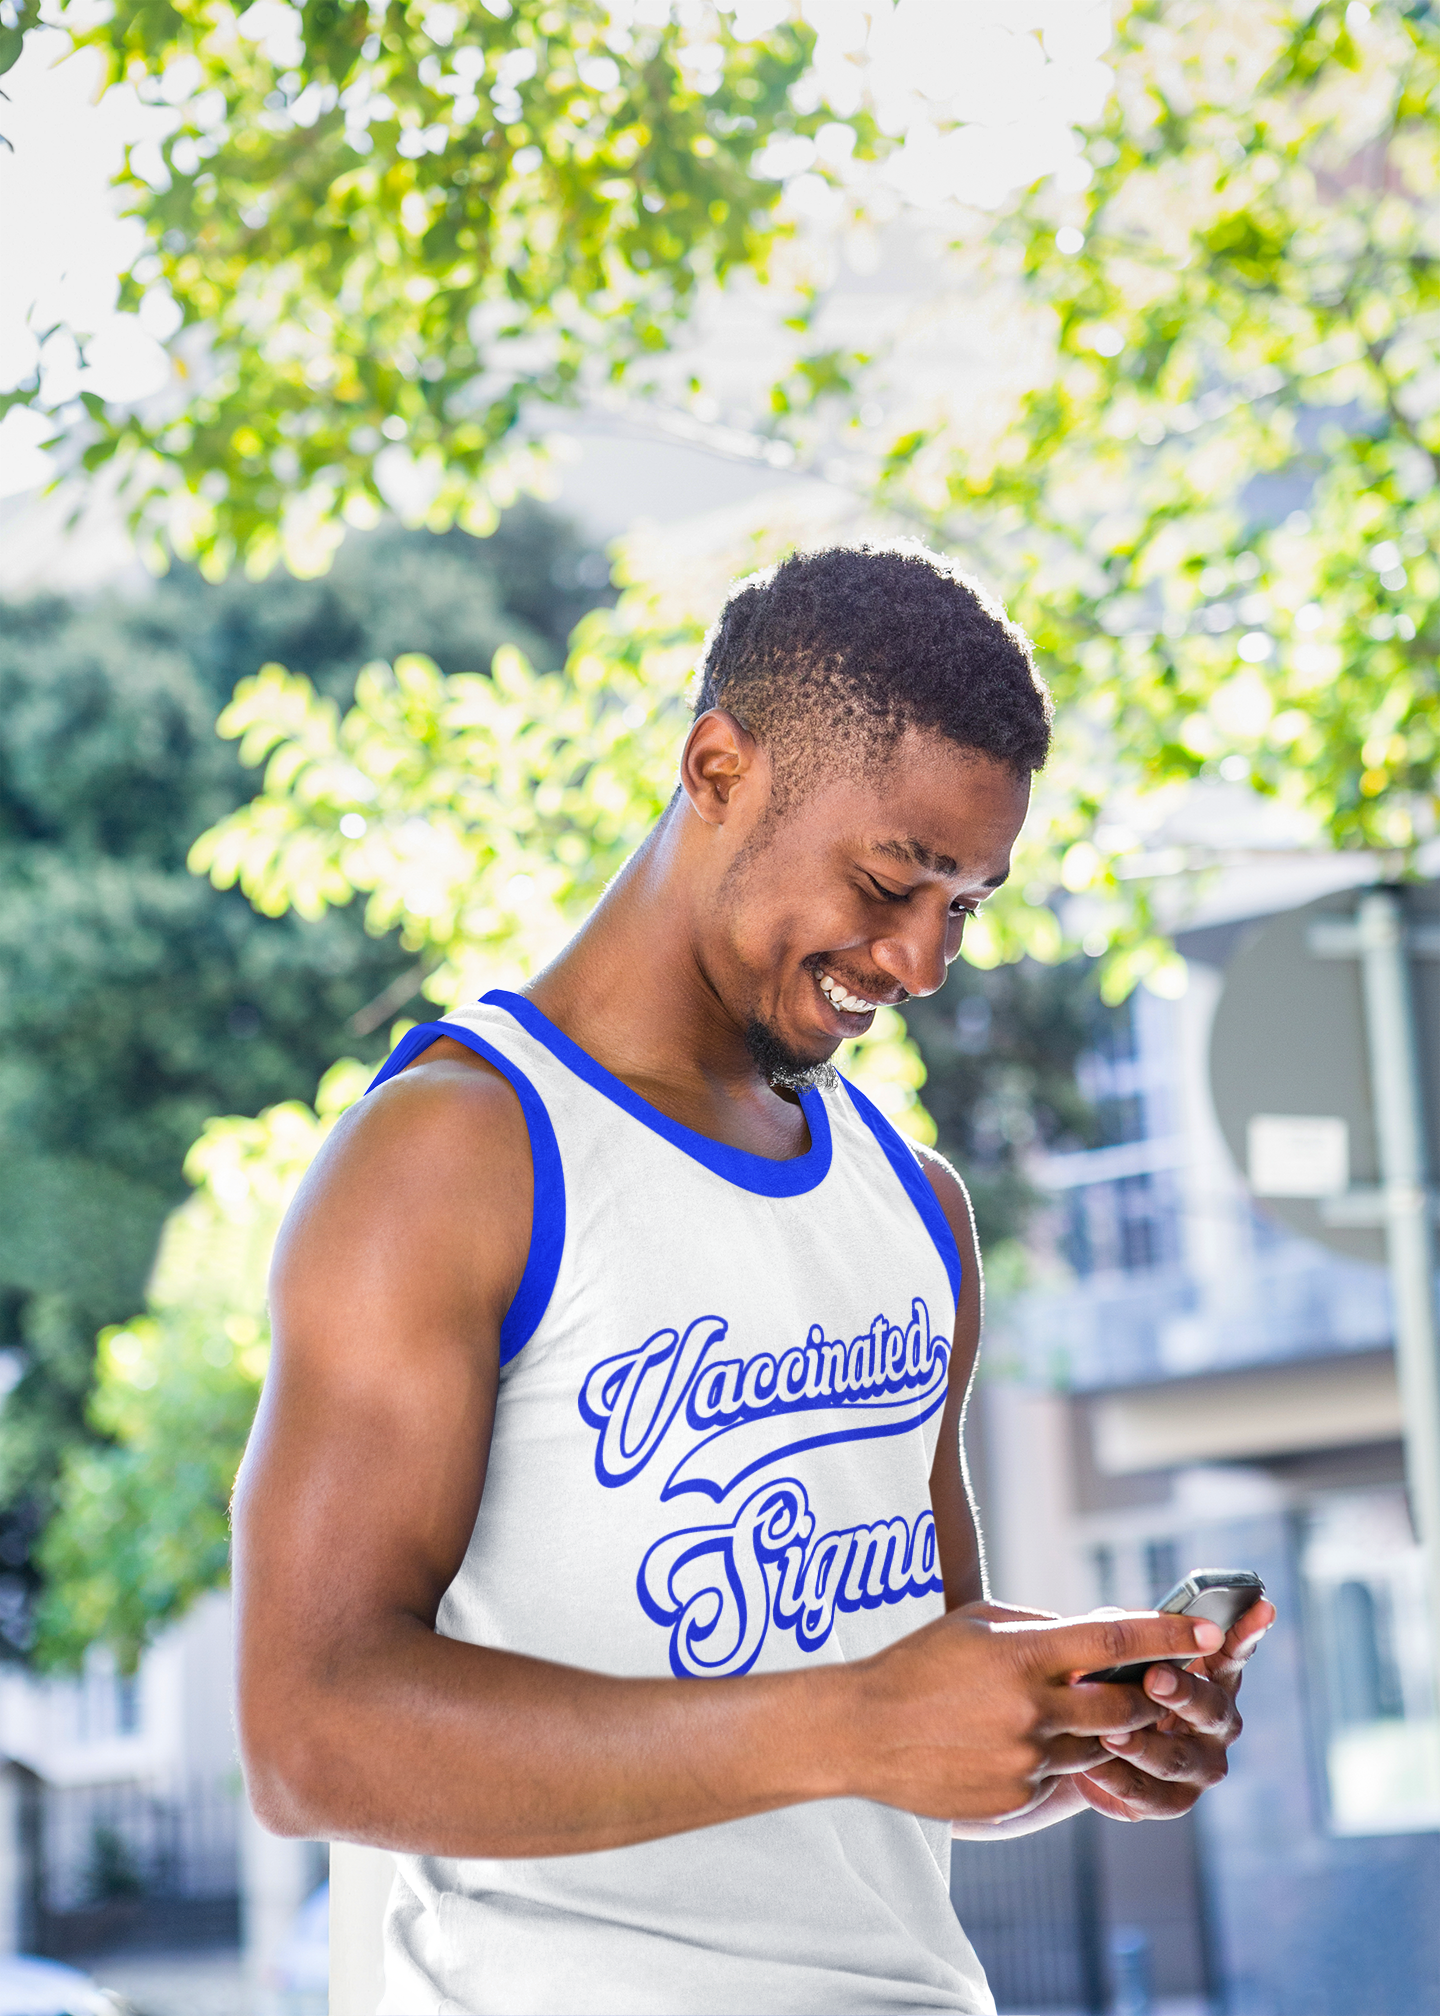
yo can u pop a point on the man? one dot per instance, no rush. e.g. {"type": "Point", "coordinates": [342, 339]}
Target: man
{"type": "Point", "coordinates": [604, 1545]}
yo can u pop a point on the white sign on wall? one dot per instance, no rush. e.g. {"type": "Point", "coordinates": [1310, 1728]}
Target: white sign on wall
{"type": "Point", "coordinates": [1298, 1154]}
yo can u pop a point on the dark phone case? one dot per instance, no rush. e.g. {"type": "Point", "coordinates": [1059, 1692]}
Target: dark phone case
{"type": "Point", "coordinates": [1224, 1605]}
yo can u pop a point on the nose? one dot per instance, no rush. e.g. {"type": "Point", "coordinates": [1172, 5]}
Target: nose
{"type": "Point", "coordinates": [919, 957]}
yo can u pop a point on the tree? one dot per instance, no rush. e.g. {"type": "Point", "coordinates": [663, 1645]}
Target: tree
{"type": "Point", "coordinates": [136, 1000]}
{"type": "Point", "coordinates": [1000, 1047]}
{"type": "Point", "coordinates": [144, 1525]}
{"type": "Point", "coordinates": [378, 233]}
{"type": "Point", "coordinates": [1214, 503]}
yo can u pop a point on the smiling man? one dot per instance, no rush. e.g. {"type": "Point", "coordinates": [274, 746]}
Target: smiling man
{"type": "Point", "coordinates": [604, 1545]}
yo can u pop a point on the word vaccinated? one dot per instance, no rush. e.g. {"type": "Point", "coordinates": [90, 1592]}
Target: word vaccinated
{"type": "Point", "coordinates": [724, 1419]}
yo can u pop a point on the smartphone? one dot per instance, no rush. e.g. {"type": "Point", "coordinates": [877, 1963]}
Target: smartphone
{"type": "Point", "coordinates": [1221, 1594]}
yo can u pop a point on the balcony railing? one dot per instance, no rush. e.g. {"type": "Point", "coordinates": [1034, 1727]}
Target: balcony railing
{"type": "Point", "coordinates": [1293, 1301]}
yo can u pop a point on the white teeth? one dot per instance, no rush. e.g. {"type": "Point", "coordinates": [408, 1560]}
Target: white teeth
{"type": "Point", "coordinates": [851, 1003]}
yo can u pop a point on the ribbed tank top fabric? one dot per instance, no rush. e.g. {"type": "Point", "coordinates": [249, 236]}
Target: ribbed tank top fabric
{"type": "Point", "coordinates": [720, 1393]}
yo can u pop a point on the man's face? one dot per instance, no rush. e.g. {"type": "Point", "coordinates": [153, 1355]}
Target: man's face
{"type": "Point", "coordinates": [856, 898]}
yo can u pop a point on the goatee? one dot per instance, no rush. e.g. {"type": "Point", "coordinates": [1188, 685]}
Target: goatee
{"type": "Point", "coordinates": [778, 1064]}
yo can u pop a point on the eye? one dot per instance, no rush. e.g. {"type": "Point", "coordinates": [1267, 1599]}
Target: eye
{"type": "Point", "coordinates": [887, 895]}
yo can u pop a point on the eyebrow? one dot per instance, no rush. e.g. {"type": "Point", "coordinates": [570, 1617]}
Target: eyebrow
{"type": "Point", "coordinates": [915, 854]}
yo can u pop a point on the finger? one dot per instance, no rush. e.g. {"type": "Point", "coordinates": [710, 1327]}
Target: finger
{"type": "Point", "coordinates": [1123, 1793]}
{"type": "Point", "coordinates": [1093, 1707]}
{"type": "Point", "coordinates": [1181, 1760]}
{"type": "Point", "coordinates": [1088, 1645]}
{"type": "Point", "coordinates": [1247, 1631]}
{"type": "Point", "coordinates": [1227, 1665]}
{"type": "Point", "coordinates": [1066, 1755]}
{"type": "Point", "coordinates": [1097, 1794]}
{"type": "Point", "coordinates": [1196, 1700]}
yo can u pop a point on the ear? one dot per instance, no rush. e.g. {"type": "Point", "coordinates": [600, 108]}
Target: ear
{"type": "Point", "coordinates": [722, 767]}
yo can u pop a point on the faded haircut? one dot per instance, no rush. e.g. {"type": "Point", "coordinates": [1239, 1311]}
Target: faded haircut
{"type": "Point", "coordinates": [829, 657]}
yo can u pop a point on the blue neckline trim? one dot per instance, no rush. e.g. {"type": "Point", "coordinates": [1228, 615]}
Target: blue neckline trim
{"type": "Point", "coordinates": [792, 1178]}
{"type": "Point", "coordinates": [906, 1164]}
{"type": "Point", "coordinates": [547, 1218]}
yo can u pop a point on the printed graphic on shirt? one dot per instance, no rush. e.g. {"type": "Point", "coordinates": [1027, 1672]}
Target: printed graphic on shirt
{"type": "Point", "coordinates": [721, 1419]}
{"type": "Point", "coordinates": [711, 1585]}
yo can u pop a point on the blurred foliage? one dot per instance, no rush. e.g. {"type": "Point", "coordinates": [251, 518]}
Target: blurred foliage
{"type": "Point", "coordinates": [377, 231]}
{"type": "Point", "coordinates": [143, 1527]}
{"type": "Point", "coordinates": [20, 16]}
{"type": "Point", "coordinates": [1213, 502]}
{"type": "Point", "coordinates": [135, 1000]}
{"type": "Point", "coordinates": [448, 594]}
{"type": "Point", "coordinates": [1000, 1049]}
{"type": "Point", "coordinates": [481, 815]}
{"type": "Point", "coordinates": [892, 1072]}
{"type": "Point", "coordinates": [113, 1871]}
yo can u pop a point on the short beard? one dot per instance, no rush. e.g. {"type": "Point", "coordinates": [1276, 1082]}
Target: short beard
{"type": "Point", "coordinates": [780, 1065]}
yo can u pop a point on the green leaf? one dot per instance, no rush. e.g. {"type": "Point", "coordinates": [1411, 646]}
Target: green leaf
{"type": "Point", "coordinates": [455, 244]}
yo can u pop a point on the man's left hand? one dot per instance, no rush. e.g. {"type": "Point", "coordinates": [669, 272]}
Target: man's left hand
{"type": "Point", "coordinates": [1159, 1773]}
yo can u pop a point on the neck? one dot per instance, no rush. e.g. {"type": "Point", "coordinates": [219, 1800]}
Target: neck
{"type": "Point", "coordinates": [631, 990]}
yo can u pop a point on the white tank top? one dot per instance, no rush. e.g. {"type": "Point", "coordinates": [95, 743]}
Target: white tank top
{"type": "Point", "coordinates": [720, 1391]}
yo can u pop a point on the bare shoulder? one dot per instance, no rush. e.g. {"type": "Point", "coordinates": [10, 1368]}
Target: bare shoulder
{"type": "Point", "coordinates": [954, 1198]}
{"type": "Point", "coordinates": [448, 1101]}
{"type": "Point", "coordinates": [448, 1118]}
{"type": "Point", "coordinates": [428, 1178]}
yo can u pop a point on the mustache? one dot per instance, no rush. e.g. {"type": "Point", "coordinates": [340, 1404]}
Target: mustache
{"type": "Point", "coordinates": [876, 987]}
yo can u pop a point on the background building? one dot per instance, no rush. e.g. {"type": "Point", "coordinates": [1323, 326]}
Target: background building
{"type": "Point", "coordinates": [123, 1826]}
{"type": "Point", "coordinates": [1197, 1387]}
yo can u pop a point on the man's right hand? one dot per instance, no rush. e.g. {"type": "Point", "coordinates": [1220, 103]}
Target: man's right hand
{"type": "Point", "coordinates": [966, 1719]}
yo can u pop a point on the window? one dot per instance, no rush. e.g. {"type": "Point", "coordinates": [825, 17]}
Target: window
{"type": "Point", "coordinates": [127, 1704]}
{"type": "Point", "coordinates": [1162, 1567]}
{"type": "Point", "coordinates": [1365, 1600]}
{"type": "Point", "coordinates": [102, 1703]}
{"type": "Point", "coordinates": [1103, 1561]}
{"type": "Point", "coordinates": [1127, 1224]}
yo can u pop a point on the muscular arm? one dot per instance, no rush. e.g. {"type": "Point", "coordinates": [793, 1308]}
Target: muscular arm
{"type": "Point", "coordinates": [355, 1505]}
{"type": "Point", "coordinates": [962, 1559]}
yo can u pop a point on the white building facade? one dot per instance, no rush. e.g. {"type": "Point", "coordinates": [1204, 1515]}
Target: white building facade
{"type": "Point", "coordinates": [1194, 1386]}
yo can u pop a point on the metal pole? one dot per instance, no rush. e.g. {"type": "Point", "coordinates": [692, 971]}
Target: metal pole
{"type": "Point", "coordinates": [1400, 1127]}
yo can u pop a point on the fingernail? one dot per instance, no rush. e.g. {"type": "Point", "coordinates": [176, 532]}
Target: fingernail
{"type": "Point", "coordinates": [1116, 1742]}
{"type": "Point", "coordinates": [1209, 1637]}
{"type": "Point", "coordinates": [1161, 1680]}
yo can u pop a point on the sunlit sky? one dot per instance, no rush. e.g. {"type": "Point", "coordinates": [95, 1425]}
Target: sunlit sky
{"type": "Point", "coordinates": [984, 94]}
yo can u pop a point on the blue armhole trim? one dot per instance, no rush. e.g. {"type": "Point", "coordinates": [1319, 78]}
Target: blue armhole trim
{"type": "Point", "coordinates": [906, 1164]}
{"type": "Point", "coordinates": [547, 1225]}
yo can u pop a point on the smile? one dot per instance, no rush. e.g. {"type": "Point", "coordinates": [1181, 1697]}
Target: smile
{"type": "Point", "coordinates": [841, 998]}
